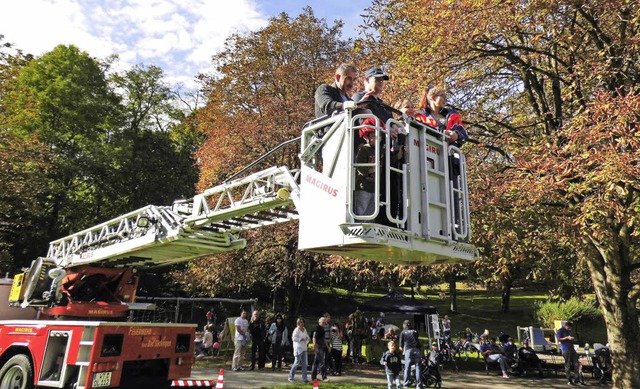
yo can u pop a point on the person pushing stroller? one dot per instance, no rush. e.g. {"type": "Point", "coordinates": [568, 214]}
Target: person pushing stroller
{"type": "Point", "coordinates": [431, 371]}
{"type": "Point", "coordinates": [410, 346]}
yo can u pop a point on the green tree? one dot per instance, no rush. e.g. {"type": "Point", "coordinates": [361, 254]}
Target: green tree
{"type": "Point", "coordinates": [63, 99]}
{"type": "Point", "coordinates": [549, 87]}
{"type": "Point", "coordinates": [23, 162]}
{"type": "Point", "coordinates": [114, 144]}
{"type": "Point", "coordinates": [146, 99]}
{"type": "Point", "coordinates": [11, 61]}
{"type": "Point", "coordinates": [157, 142]}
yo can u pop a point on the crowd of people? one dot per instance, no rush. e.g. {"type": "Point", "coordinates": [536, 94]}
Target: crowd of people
{"type": "Point", "coordinates": [406, 363]}
{"type": "Point", "coordinates": [268, 342]}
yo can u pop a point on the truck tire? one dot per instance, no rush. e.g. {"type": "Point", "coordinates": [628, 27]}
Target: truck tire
{"type": "Point", "coordinates": [17, 373]}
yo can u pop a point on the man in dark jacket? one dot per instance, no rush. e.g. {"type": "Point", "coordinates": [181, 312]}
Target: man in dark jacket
{"type": "Point", "coordinates": [258, 332]}
{"type": "Point", "coordinates": [410, 346]}
{"type": "Point", "coordinates": [330, 98]}
{"type": "Point", "coordinates": [373, 86]}
{"type": "Point", "coordinates": [569, 353]}
{"type": "Point", "coordinates": [320, 347]}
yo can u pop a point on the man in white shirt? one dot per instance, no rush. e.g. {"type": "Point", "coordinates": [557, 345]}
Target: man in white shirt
{"type": "Point", "coordinates": [241, 340]}
{"type": "Point", "coordinates": [446, 327]}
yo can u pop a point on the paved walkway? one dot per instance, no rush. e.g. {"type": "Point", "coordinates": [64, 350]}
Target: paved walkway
{"type": "Point", "coordinates": [375, 378]}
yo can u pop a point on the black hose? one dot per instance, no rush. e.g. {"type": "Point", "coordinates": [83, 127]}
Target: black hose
{"type": "Point", "coordinates": [262, 158]}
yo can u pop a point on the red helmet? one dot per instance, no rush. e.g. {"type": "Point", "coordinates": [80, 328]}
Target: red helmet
{"type": "Point", "coordinates": [367, 130]}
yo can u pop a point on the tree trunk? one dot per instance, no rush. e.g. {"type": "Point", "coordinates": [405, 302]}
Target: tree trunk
{"type": "Point", "coordinates": [617, 295]}
{"type": "Point", "coordinates": [453, 295]}
{"type": "Point", "coordinates": [274, 301]}
{"type": "Point", "coordinates": [506, 295]}
{"type": "Point", "coordinates": [296, 290]}
{"type": "Point", "coordinates": [624, 348]}
{"type": "Point", "coordinates": [296, 295]}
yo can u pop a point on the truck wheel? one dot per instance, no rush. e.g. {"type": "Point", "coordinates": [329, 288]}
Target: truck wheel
{"type": "Point", "coordinates": [17, 373]}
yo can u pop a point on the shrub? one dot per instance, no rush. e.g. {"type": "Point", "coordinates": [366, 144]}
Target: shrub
{"type": "Point", "coordinates": [573, 309]}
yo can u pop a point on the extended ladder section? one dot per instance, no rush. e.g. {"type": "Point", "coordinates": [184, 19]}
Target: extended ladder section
{"type": "Point", "coordinates": [420, 212]}
{"type": "Point", "coordinates": [420, 205]}
{"type": "Point", "coordinates": [207, 224]}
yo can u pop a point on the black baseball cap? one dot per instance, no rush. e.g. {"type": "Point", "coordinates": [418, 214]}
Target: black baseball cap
{"type": "Point", "coordinates": [376, 72]}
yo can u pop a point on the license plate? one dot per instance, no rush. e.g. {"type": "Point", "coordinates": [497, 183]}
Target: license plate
{"type": "Point", "coordinates": [101, 379]}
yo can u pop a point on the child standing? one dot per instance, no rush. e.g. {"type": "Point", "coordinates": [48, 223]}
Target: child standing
{"type": "Point", "coordinates": [365, 175]}
{"type": "Point", "coordinates": [336, 350]}
{"type": "Point", "coordinates": [391, 362]}
{"type": "Point", "coordinates": [434, 362]}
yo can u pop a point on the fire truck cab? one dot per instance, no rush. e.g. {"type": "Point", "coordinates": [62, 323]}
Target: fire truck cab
{"type": "Point", "coordinates": [93, 354]}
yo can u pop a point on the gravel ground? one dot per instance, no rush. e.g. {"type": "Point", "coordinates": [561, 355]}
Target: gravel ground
{"type": "Point", "coordinates": [374, 377]}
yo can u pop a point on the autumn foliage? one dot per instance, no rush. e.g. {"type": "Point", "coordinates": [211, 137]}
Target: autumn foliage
{"type": "Point", "coordinates": [550, 92]}
{"type": "Point", "coordinates": [261, 95]}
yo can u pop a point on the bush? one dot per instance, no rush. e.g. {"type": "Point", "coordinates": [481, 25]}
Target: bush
{"type": "Point", "coordinates": [573, 309]}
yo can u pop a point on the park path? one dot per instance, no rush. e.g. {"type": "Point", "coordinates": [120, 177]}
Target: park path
{"type": "Point", "coordinates": [369, 375]}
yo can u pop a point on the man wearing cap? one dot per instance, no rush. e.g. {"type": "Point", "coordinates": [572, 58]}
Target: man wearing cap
{"type": "Point", "coordinates": [373, 86]}
{"type": "Point", "coordinates": [410, 346]}
{"type": "Point", "coordinates": [434, 361]}
{"type": "Point", "coordinates": [568, 352]}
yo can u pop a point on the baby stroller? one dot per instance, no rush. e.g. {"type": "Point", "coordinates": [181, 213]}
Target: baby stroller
{"type": "Point", "coordinates": [430, 372]}
{"type": "Point", "coordinates": [602, 367]}
{"type": "Point", "coordinates": [447, 354]}
{"type": "Point", "coordinates": [527, 362]}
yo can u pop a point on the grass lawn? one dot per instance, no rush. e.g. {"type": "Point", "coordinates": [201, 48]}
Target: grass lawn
{"type": "Point", "coordinates": [478, 309]}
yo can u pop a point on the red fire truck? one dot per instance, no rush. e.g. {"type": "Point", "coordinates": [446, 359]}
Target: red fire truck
{"type": "Point", "coordinates": [93, 354]}
{"type": "Point", "coordinates": [85, 286]}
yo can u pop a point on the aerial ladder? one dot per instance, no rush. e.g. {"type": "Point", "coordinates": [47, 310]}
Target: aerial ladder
{"type": "Point", "coordinates": [90, 278]}
{"type": "Point", "coordinates": [99, 263]}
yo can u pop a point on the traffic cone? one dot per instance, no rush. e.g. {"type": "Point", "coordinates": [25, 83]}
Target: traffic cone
{"type": "Point", "coordinates": [220, 383]}
{"type": "Point", "coordinates": [315, 384]}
